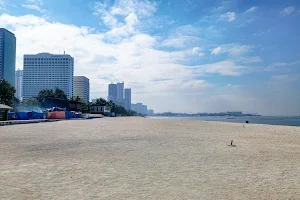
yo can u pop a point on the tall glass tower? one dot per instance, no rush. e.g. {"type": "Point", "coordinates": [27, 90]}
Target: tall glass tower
{"type": "Point", "coordinates": [7, 56]}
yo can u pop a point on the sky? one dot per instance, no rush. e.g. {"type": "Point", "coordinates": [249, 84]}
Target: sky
{"type": "Point", "coordinates": [177, 55]}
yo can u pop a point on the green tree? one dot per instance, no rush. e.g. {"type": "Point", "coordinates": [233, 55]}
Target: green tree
{"type": "Point", "coordinates": [117, 109]}
{"type": "Point", "coordinates": [101, 102]}
{"type": "Point", "coordinates": [60, 94]}
{"type": "Point", "coordinates": [77, 98]}
{"type": "Point", "coordinates": [85, 104]}
{"type": "Point", "coordinates": [52, 94]}
{"type": "Point", "coordinates": [7, 93]}
{"type": "Point", "coordinates": [31, 102]}
{"type": "Point", "coordinates": [44, 94]}
{"type": "Point", "coordinates": [131, 113]}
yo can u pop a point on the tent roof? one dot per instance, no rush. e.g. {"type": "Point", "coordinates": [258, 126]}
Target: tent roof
{"type": "Point", "coordinates": [5, 107]}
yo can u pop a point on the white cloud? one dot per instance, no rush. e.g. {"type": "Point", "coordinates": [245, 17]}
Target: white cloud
{"type": "Point", "coordinates": [252, 9]}
{"type": "Point", "coordinates": [280, 77]}
{"type": "Point", "coordinates": [180, 41]}
{"type": "Point", "coordinates": [229, 16]}
{"type": "Point", "coordinates": [33, 7]}
{"type": "Point", "coordinates": [108, 12]}
{"type": "Point", "coordinates": [282, 66]}
{"type": "Point", "coordinates": [232, 49]}
{"type": "Point", "coordinates": [226, 68]}
{"type": "Point", "coordinates": [231, 86]}
{"type": "Point", "coordinates": [132, 19]}
{"type": "Point", "coordinates": [2, 7]}
{"type": "Point", "coordinates": [144, 40]}
{"type": "Point", "coordinates": [283, 79]}
{"type": "Point", "coordinates": [288, 10]}
{"type": "Point", "coordinates": [195, 84]}
{"type": "Point", "coordinates": [187, 30]}
{"type": "Point", "coordinates": [38, 2]}
{"type": "Point", "coordinates": [249, 60]}
{"type": "Point", "coordinates": [118, 33]}
{"type": "Point", "coordinates": [217, 50]}
{"type": "Point", "coordinates": [221, 7]}
{"type": "Point", "coordinates": [197, 51]}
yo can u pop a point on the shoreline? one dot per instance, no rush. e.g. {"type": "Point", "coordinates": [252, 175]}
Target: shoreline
{"type": "Point", "coordinates": [223, 119]}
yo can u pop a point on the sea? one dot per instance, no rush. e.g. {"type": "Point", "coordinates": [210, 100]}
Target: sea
{"type": "Point", "coordinates": [271, 120]}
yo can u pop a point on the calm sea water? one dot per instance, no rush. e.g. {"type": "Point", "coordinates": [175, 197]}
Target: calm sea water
{"type": "Point", "coordinates": [283, 121]}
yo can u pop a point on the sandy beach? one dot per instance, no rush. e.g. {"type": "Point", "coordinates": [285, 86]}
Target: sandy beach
{"type": "Point", "coordinates": [140, 158]}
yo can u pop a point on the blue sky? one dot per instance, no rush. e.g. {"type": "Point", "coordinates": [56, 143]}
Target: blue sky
{"type": "Point", "coordinates": [176, 55]}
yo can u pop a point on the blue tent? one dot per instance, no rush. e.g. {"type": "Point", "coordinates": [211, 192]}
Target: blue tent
{"type": "Point", "coordinates": [25, 115]}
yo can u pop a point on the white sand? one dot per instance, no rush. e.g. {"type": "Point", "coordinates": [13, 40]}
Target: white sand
{"type": "Point", "coordinates": [138, 158]}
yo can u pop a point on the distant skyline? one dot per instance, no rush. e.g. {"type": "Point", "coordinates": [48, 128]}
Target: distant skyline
{"type": "Point", "coordinates": [176, 55]}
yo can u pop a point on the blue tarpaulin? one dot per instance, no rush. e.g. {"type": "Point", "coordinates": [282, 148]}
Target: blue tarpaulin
{"type": "Point", "coordinates": [25, 115]}
{"type": "Point", "coordinates": [11, 115]}
{"type": "Point", "coordinates": [69, 115]}
{"type": "Point", "coordinates": [36, 115]}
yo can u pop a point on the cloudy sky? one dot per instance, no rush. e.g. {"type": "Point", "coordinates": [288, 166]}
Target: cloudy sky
{"type": "Point", "coordinates": [176, 55]}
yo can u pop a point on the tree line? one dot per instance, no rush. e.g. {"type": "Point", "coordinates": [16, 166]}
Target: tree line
{"type": "Point", "coordinates": [7, 97]}
{"type": "Point", "coordinates": [117, 109]}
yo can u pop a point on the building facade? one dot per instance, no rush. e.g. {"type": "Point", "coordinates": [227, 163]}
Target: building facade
{"type": "Point", "coordinates": [98, 109]}
{"type": "Point", "coordinates": [127, 100]}
{"type": "Point", "coordinates": [139, 108]}
{"type": "Point", "coordinates": [112, 92]}
{"type": "Point", "coordinates": [47, 71]}
{"type": "Point", "coordinates": [150, 112]}
{"type": "Point", "coordinates": [116, 93]}
{"type": "Point", "coordinates": [7, 56]}
{"type": "Point", "coordinates": [120, 93]}
{"type": "Point", "coordinates": [82, 87]}
{"type": "Point", "coordinates": [144, 110]}
{"type": "Point", "coordinates": [19, 84]}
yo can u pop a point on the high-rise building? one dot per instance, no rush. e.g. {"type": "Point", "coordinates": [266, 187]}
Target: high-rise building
{"type": "Point", "coordinates": [116, 93]}
{"type": "Point", "coordinates": [150, 112]}
{"type": "Point", "coordinates": [112, 92]}
{"type": "Point", "coordinates": [82, 87]}
{"type": "Point", "coordinates": [127, 100]}
{"type": "Point", "coordinates": [19, 84]}
{"type": "Point", "coordinates": [47, 71]}
{"type": "Point", "coordinates": [139, 108]}
{"type": "Point", "coordinates": [7, 56]}
{"type": "Point", "coordinates": [120, 92]}
{"type": "Point", "coordinates": [144, 110]}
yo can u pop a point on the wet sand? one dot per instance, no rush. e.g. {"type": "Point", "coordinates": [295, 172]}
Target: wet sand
{"type": "Point", "coordinates": [139, 158]}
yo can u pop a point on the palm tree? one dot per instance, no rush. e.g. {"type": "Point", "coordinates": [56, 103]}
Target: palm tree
{"type": "Point", "coordinates": [101, 101]}
{"type": "Point", "coordinates": [60, 94]}
{"type": "Point", "coordinates": [77, 98]}
{"type": "Point", "coordinates": [44, 94]}
{"type": "Point", "coordinates": [50, 94]}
